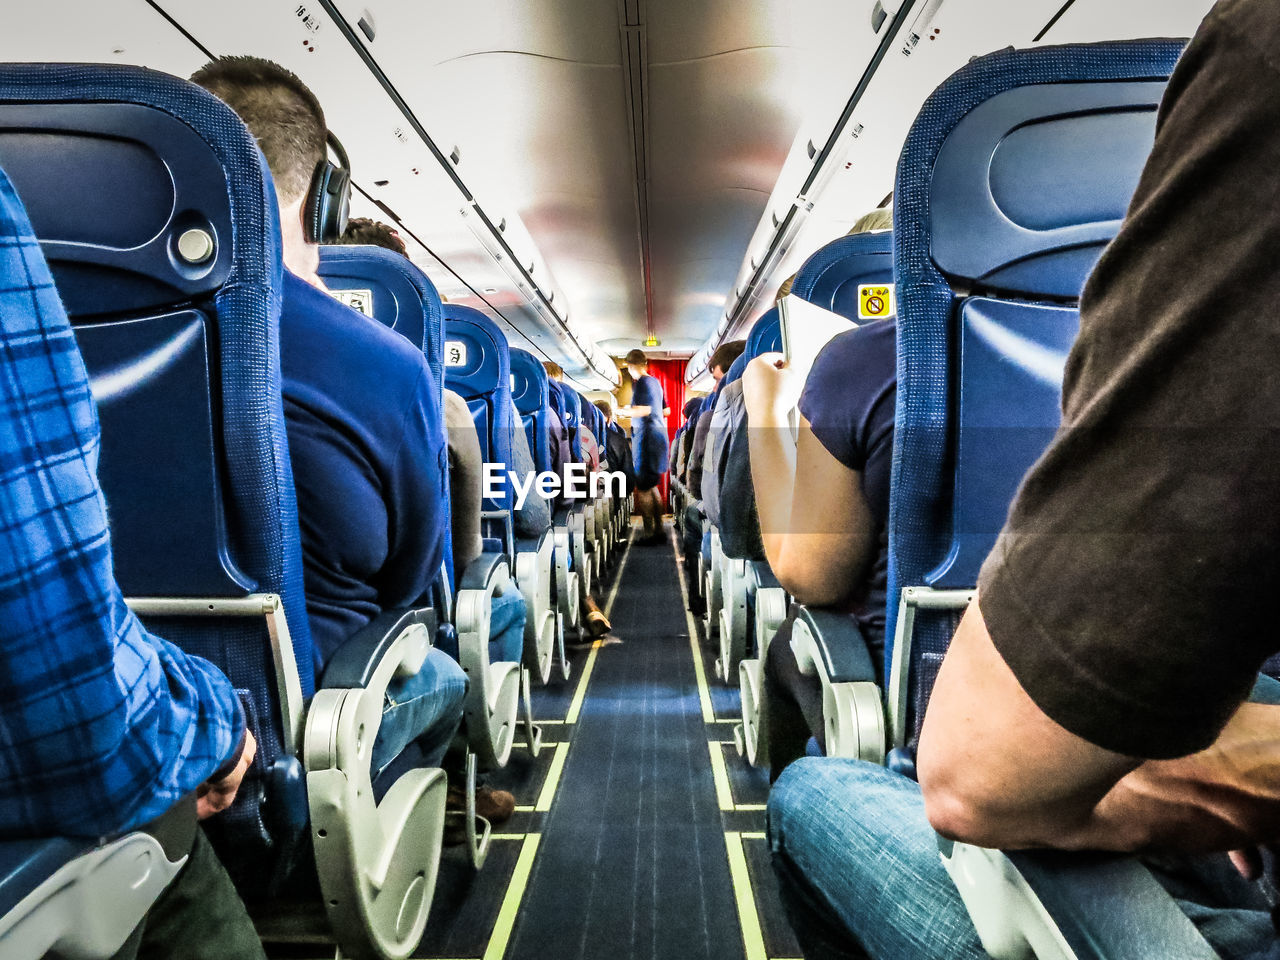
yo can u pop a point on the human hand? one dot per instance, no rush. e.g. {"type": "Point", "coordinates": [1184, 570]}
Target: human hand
{"type": "Point", "coordinates": [214, 797]}
{"type": "Point", "coordinates": [771, 386]}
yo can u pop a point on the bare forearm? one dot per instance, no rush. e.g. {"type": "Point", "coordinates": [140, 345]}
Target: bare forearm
{"type": "Point", "coordinates": [1223, 798]}
{"type": "Point", "coordinates": [773, 472]}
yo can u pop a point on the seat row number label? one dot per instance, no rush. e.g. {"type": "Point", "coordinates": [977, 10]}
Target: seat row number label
{"type": "Point", "coordinates": [455, 353]}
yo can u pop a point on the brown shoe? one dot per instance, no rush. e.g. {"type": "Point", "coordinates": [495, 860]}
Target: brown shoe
{"type": "Point", "coordinates": [496, 806]}
{"type": "Point", "coordinates": [598, 624]}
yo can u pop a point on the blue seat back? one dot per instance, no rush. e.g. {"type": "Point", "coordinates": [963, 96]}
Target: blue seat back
{"type": "Point", "coordinates": [766, 335]}
{"type": "Point", "coordinates": [115, 165]}
{"type": "Point", "coordinates": [735, 369]}
{"type": "Point", "coordinates": [598, 424]}
{"type": "Point", "coordinates": [531, 393]}
{"type": "Point", "coordinates": [832, 276]}
{"type": "Point", "coordinates": [573, 419]}
{"type": "Point", "coordinates": [478, 367]}
{"type": "Point", "coordinates": [1014, 177]}
{"type": "Point", "coordinates": [375, 282]}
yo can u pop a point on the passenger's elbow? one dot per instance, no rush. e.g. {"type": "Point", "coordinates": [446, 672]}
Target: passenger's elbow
{"type": "Point", "coordinates": [811, 585]}
{"type": "Point", "coordinates": [957, 815]}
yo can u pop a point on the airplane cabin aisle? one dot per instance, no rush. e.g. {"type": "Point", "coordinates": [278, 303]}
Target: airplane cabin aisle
{"type": "Point", "coordinates": [639, 832]}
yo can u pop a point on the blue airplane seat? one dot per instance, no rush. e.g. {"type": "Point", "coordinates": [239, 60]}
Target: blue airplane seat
{"type": "Point", "coordinates": [185, 523]}
{"type": "Point", "coordinates": [573, 419]}
{"type": "Point", "coordinates": [1012, 180]}
{"type": "Point", "coordinates": [570, 550]}
{"type": "Point", "coordinates": [373, 281]}
{"type": "Point", "coordinates": [158, 217]}
{"type": "Point", "coordinates": [766, 334]}
{"type": "Point", "coordinates": [478, 367]}
{"type": "Point", "coordinates": [735, 369]}
{"type": "Point", "coordinates": [1015, 176]}
{"type": "Point", "coordinates": [557, 401]}
{"type": "Point", "coordinates": [830, 278]}
{"type": "Point", "coordinates": [532, 396]}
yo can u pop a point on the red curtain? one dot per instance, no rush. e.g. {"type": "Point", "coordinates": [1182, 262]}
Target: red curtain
{"type": "Point", "coordinates": [670, 373]}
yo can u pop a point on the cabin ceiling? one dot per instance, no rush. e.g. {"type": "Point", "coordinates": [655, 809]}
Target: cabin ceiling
{"type": "Point", "coordinates": [535, 99]}
{"type": "Point", "coordinates": [637, 154]}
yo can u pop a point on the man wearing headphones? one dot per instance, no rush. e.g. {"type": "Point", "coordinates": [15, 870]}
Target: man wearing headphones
{"type": "Point", "coordinates": [364, 439]}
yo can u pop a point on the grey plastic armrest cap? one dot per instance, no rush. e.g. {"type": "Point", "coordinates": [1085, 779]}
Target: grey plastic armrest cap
{"type": "Point", "coordinates": [480, 570]}
{"type": "Point", "coordinates": [353, 664]}
{"type": "Point", "coordinates": [844, 650]}
{"type": "Point", "coordinates": [763, 573]}
{"type": "Point", "coordinates": [533, 544]}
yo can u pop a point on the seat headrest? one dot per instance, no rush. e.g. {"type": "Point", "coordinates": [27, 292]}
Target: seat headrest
{"type": "Point", "coordinates": [476, 360]}
{"type": "Point", "coordinates": [1021, 165]}
{"type": "Point", "coordinates": [384, 285]}
{"type": "Point", "coordinates": [832, 276]}
{"type": "Point", "coordinates": [766, 335]}
{"type": "Point", "coordinates": [529, 382]}
{"type": "Point", "coordinates": [132, 176]}
{"type": "Point", "coordinates": [735, 369]}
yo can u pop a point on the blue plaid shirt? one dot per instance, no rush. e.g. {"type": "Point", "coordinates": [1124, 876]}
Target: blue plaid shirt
{"type": "Point", "coordinates": [102, 725]}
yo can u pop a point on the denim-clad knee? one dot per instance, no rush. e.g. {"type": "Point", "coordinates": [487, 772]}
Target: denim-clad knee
{"type": "Point", "coordinates": [858, 836]}
{"type": "Point", "coordinates": [506, 626]}
{"type": "Point", "coordinates": [426, 707]}
{"type": "Point", "coordinates": [853, 839]}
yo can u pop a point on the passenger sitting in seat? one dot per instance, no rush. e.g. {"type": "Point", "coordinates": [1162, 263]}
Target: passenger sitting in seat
{"type": "Point", "coordinates": [717, 366]}
{"type": "Point", "coordinates": [691, 525]}
{"type": "Point", "coordinates": [589, 611]}
{"type": "Point", "coordinates": [466, 465]}
{"type": "Point", "coordinates": [617, 446]}
{"type": "Point", "coordinates": [823, 500]}
{"type": "Point", "coordinates": [362, 410]}
{"type": "Point", "coordinates": [1094, 694]}
{"type": "Point", "coordinates": [104, 727]}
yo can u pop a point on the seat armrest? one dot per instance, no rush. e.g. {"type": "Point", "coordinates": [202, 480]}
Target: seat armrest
{"type": "Point", "coordinates": [1056, 905]}
{"type": "Point", "coordinates": [533, 544]}
{"type": "Point", "coordinates": [481, 570]}
{"type": "Point", "coordinates": [763, 574]}
{"type": "Point", "coordinates": [841, 645]}
{"type": "Point", "coordinates": [506, 523]}
{"type": "Point", "coordinates": [77, 898]}
{"type": "Point", "coordinates": [353, 664]}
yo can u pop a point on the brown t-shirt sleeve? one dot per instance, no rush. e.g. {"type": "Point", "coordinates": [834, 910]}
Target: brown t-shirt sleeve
{"type": "Point", "coordinates": [1134, 589]}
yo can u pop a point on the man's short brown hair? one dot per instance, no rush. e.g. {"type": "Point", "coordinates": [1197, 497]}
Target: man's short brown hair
{"type": "Point", "coordinates": [636, 358]}
{"type": "Point", "coordinates": [364, 231]}
{"type": "Point", "coordinates": [283, 115]}
{"type": "Point", "coordinates": [725, 354]}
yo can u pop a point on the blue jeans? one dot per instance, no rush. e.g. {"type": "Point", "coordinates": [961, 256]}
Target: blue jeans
{"type": "Point", "coordinates": [858, 867]}
{"type": "Point", "coordinates": [425, 709]}
{"type": "Point", "coordinates": [506, 626]}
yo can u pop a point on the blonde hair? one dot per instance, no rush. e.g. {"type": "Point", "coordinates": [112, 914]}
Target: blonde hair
{"type": "Point", "coordinates": [881, 218]}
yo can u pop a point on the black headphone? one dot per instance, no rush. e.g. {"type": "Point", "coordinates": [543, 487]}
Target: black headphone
{"type": "Point", "coordinates": [328, 204]}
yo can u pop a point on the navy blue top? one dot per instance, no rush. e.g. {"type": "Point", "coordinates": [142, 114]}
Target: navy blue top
{"type": "Point", "coordinates": [366, 438]}
{"type": "Point", "coordinates": [849, 401]}
{"type": "Point", "coordinates": [649, 433]}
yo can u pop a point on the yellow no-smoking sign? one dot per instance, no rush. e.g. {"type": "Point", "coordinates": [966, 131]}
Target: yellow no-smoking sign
{"type": "Point", "coordinates": [875, 301]}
